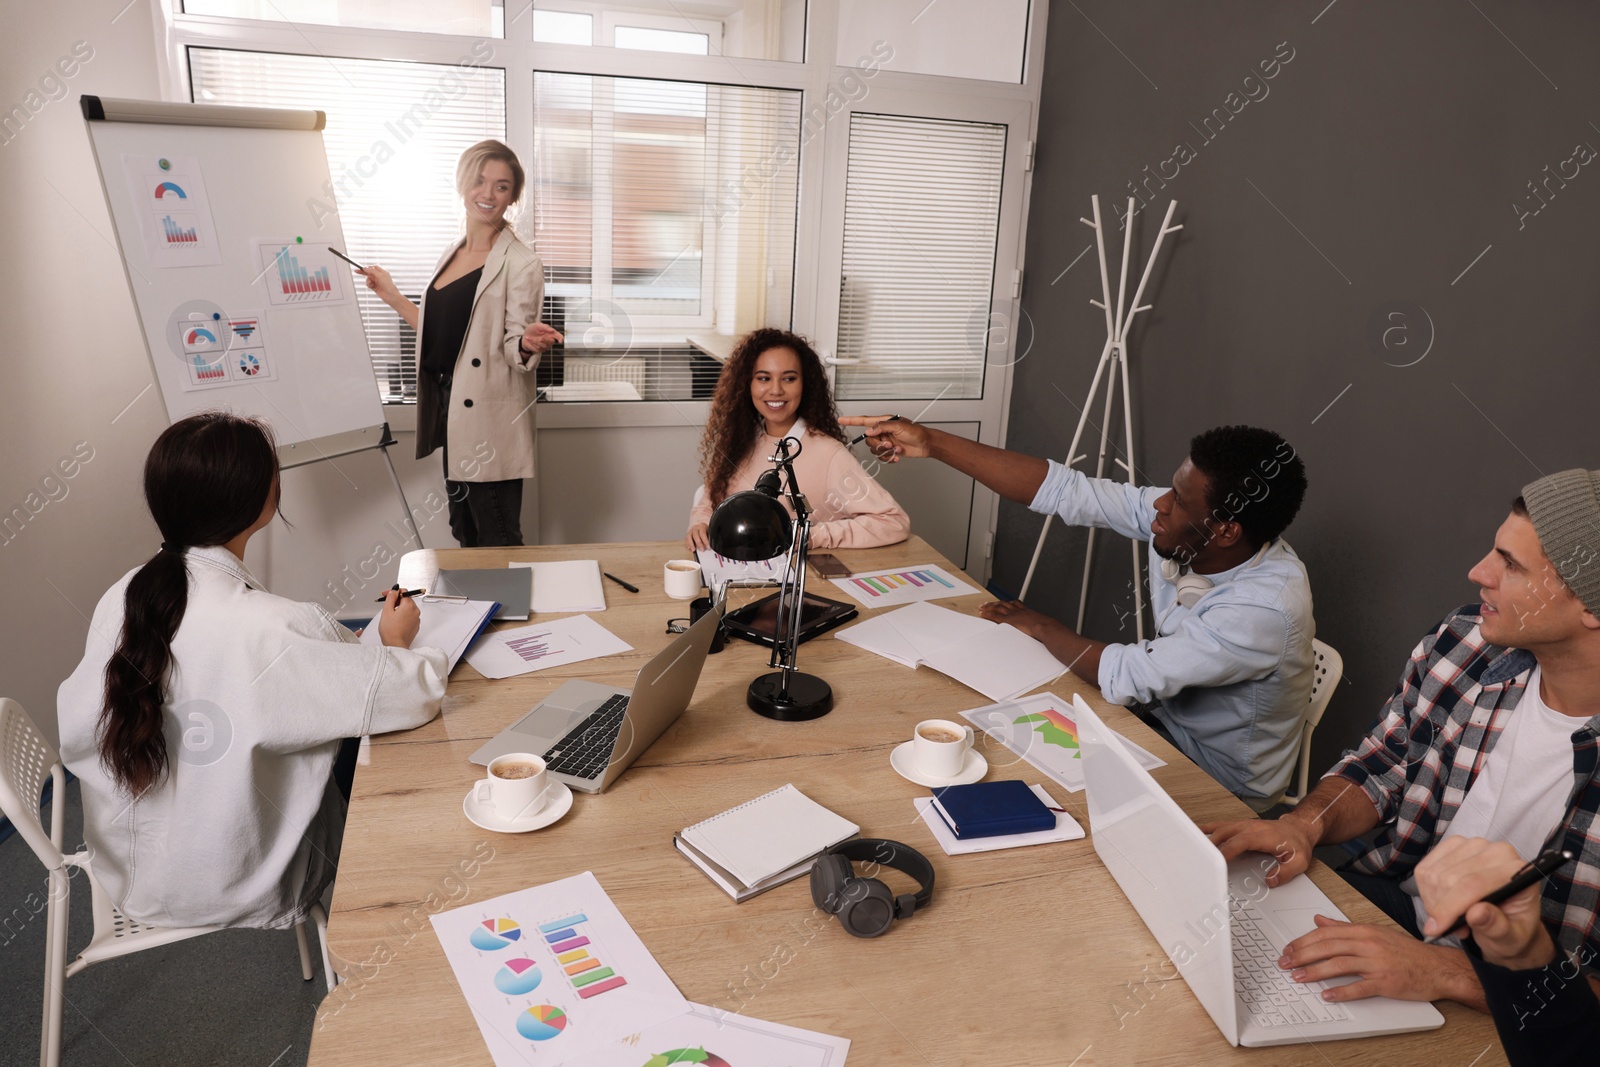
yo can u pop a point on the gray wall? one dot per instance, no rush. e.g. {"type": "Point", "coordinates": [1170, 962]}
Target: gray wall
{"type": "Point", "coordinates": [1392, 148]}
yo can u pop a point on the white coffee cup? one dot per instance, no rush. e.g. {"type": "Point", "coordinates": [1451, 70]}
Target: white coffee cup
{"type": "Point", "coordinates": [940, 747]}
{"type": "Point", "coordinates": [516, 785]}
{"type": "Point", "coordinates": [682, 579]}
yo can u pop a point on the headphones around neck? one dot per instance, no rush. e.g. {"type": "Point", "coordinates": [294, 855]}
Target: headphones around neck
{"type": "Point", "coordinates": [1188, 585]}
{"type": "Point", "coordinates": [865, 906]}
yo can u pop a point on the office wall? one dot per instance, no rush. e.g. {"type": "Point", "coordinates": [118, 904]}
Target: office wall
{"type": "Point", "coordinates": [1364, 267]}
{"type": "Point", "coordinates": [74, 399]}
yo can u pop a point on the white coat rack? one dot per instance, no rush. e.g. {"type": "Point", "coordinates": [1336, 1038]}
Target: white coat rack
{"type": "Point", "coordinates": [1113, 357]}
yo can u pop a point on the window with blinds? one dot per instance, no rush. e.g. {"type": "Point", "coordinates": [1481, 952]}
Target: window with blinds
{"type": "Point", "coordinates": [394, 133]}
{"type": "Point", "coordinates": [665, 215]}
{"type": "Point", "coordinates": [922, 208]}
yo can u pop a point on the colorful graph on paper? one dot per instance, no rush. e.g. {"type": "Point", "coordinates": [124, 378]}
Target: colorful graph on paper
{"type": "Point", "coordinates": [534, 647]}
{"type": "Point", "coordinates": [173, 232]}
{"type": "Point", "coordinates": [1056, 729]}
{"type": "Point", "coordinates": [908, 585]}
{"type": "Point", "coordinates": [580, 960]}
{"type": "Point", "coordinates": [1035, 729]}
{"type": "Point", "coordinates": [697, 1056]}
{"type": "Point", "coordinates": [297, 274]}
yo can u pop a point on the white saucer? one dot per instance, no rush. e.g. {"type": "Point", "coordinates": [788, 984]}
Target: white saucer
{"type": "Point", "coordinates": [904, 764]}
{"type": "Point", "coordinates": [558, 801]}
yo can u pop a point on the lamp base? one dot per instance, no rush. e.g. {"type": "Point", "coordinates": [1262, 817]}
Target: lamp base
{"type": "Point", "coordinates": [809, 697]}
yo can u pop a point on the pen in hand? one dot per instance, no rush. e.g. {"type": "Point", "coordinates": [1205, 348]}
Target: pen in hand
{"type": "Point", "coordinates": [1540, 867]}
{"type": "Point", "coordinates": [403, 593]}
{"type": "Point", "coordinates": [863, 437]}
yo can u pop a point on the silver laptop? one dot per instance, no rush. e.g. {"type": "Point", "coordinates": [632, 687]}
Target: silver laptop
{"type": "Point", "coordinates": [1217, 921]}
{"type": "Point", "coordinates": [589, 734]}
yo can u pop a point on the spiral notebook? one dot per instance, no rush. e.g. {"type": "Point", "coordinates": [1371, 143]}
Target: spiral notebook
{"type": "Point", "coordinates": [764, 842]}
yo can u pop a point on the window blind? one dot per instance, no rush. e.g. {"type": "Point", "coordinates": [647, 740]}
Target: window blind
{"type": "Point", "coordinates": [922, 207]}
{"type": "Point", "coordinates": [394, 133]}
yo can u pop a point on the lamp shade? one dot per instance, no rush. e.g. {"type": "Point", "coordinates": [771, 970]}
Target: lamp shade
{"type": "Point", "coordinates": [750, 526]}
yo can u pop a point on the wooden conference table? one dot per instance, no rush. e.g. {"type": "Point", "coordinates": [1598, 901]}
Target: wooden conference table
{"type": "Point", "coordinates": [1028, 956]}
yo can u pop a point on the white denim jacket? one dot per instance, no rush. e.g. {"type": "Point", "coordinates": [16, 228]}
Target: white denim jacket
{"type": "Point", "coordinates": [244, 828]}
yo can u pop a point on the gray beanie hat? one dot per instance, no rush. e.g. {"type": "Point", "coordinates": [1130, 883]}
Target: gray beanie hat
{"type": "Point", "coordinates": [1565, 509]}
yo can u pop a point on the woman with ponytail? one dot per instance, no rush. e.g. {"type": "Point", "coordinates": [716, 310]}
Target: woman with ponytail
{"type": "Point", "coordinates": [205, 717]}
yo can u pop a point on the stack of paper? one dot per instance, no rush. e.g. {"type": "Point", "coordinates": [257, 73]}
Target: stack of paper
{"type": "Point", "coordinates": [996, 659]}
{"type": "Point", "coordinates": [763, 843]}
{"type": "Point", "coordinates": [557, 643]}
{"type": "Point", "coordinates": [448, 625]}
{"type": "Point", "coordinates": [566, 586]}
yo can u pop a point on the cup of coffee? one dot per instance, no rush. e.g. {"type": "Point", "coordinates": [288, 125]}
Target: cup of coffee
{"type": "Point", "coordinates": [515, 787]}
{"type": "Point", "coordinates": [682, 579]}
{"type": "Point", "coordinates": [940, 747]}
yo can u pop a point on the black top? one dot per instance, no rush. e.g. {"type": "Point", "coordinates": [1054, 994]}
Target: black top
{"type": "Point", "coordinates": [448, 309]}
{"type": "Point", "coordinates": [1546, 1017]}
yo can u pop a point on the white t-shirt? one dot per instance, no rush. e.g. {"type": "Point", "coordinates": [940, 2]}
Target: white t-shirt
{"type": "Point", "coordinates": [1521, 794]}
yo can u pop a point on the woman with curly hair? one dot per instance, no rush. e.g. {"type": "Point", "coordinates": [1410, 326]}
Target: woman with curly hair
{"type": "Point", "coordinates": [781, 377]}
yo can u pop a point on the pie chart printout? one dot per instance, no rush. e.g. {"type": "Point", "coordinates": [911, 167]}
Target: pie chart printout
{"type": "Point", "coordinates": [541, 1022]}
{"type": "Point", "coordinates": [518, 977]}
{"type": "Point", "coordinates": [699, 1057]}
{"type": "Point", "coordinates": [493, 934]}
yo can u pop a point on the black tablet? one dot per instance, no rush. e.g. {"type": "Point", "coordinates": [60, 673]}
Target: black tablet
{"type": "Point", "coordinates": [758, 621]}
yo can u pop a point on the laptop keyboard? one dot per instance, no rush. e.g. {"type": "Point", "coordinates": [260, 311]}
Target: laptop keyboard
{"type": "Point", "coordinates": [586, 750]}
{"type": "Point", "coordinates": [1268, 994]}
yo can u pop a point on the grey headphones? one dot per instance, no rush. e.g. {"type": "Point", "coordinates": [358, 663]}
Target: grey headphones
{"type": "Point", "coordinates": [865, 906]}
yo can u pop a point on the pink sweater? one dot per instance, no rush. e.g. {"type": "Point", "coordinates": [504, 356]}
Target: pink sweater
{"type": "Point", "coordinates": [848, 508]}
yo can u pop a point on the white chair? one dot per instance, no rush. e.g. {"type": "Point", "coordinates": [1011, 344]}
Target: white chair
{"type": "Point", "coordinates": [1327, 667]}
{"type": "Point", "coordinates": [25, 759]}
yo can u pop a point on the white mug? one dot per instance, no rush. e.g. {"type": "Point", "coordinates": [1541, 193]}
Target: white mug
{"type": "Point", "coordinates": [682, 579]}
{"type": "Point", "coordinates": [940, 747]}
{"type": "Point", "coordinates": [515, 797]}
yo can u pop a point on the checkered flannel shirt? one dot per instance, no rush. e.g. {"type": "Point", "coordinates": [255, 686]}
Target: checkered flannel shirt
{"type": "Point", "coordinates": [1416, 765]}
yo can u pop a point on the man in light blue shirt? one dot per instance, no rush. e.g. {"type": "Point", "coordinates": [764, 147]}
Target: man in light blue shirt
{"type": "Point", "coordinates": [1229, 672]}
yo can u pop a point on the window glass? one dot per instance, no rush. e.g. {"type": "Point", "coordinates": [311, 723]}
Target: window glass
{"type": "Point", "coordinates": [393, 136]}
{"type": "Point", "coordinates": [473, 18]}
{"type": "Point", "coordinates": [984, 39]}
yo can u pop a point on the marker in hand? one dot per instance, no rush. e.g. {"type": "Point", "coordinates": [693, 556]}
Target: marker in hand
{"type": "Point", "coordinates": [347, 259]}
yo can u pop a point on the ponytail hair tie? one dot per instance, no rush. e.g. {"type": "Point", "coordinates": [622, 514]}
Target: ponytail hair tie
{"type": "Point", "coordinates": [168, 546]}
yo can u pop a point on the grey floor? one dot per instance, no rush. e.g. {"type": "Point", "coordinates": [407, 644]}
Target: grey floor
{"type": "Point", "coordinates": [233, 998]}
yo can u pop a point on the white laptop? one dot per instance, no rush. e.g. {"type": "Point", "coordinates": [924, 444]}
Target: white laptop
{"type": "Point", "coordinates": [1218, 921]}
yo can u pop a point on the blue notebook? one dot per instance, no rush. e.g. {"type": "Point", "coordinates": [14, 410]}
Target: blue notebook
{"type": "Point", "coordinates": [988, 809]}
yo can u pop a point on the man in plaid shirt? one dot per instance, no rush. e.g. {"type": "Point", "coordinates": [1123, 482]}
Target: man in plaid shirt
{"type": "Point", "coordinates": [1493, 732]}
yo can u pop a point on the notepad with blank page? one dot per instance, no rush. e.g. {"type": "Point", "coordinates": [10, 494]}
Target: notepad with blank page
{"type": "Point", "coordinates": [769, 834]}
{"type": "Point", "coordinates": [570, 585]}
{"type": "Point", "coordinates": [448, 625]}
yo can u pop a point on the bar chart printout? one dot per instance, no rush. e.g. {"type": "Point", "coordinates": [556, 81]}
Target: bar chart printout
{"type": "Point", "coordinates": [908, 585]}
{"type": "Point", "coordinates": [298, 274]}
{"type": "Point", "coordinates": [535, 647]}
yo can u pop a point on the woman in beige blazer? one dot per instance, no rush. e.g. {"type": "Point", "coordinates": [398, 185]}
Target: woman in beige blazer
{"type": "Point", "coordinates": [480, 340]}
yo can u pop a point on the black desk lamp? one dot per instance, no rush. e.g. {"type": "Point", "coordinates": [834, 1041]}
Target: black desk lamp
{"type": "Point", "coordinates": [753, 525]}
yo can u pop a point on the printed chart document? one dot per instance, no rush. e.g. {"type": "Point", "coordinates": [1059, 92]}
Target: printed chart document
{"type": "Point", "coordinates": [1066, 829]}
{"type": "Point", "coordinates": [448, 625]}
{"type": "Point", "coordinates": [907, 585]}
{"type": "Point", "coordinates": [764, 842]}
{"type": "Point", "coordinates": [1043, 730]}
{"type": "Point", "coordinates": [524, 649]}
{"type": "Point", "coordinates": [566, 586]}
{"type": "Point", "coordinates": [553, 972]}
{"type": "Point", "coordinates": [997, 660]}
{"type": "Point", "coordinates": [707, 1037]}
{"type": "Point", "coordinates": [719, 570]}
